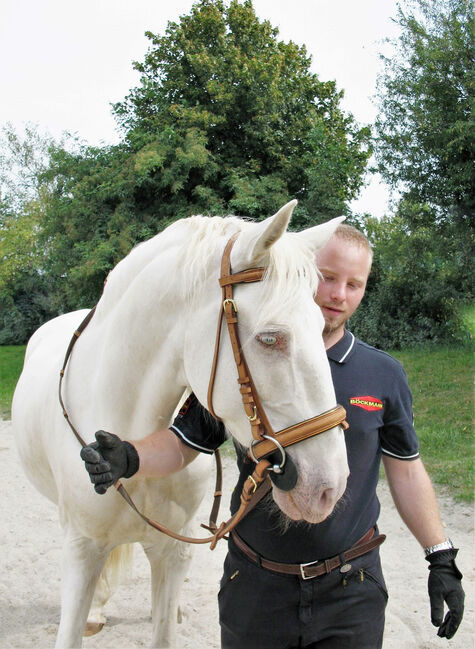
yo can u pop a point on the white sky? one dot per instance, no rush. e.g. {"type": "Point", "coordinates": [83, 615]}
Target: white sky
{"type": "Point", "coordinates": [65, 61]}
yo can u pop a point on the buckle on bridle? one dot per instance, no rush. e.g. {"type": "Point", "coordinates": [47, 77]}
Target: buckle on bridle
{"type": "Point", "coordinates": [277, 468]}
{"type": "Point", "coordinates": [249, 477]}
{"type": "Point", "coordinates": [229, 300]}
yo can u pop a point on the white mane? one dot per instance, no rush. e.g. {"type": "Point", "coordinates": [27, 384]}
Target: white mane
{"type": "Point", "coordinates": [291, 262]}
{"type": "Point", "coordinates": [198, 243]}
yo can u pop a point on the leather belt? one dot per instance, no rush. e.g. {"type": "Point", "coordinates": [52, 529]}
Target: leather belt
{"type": "Point", "coordinates": [314, 568]}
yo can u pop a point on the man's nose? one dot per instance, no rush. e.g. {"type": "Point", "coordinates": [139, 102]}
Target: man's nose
{"type": "Point", "coordinates": [338, 292]}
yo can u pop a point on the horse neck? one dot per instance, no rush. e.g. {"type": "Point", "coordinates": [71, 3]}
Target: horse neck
{"type": "Point", "coordinates": [136, 349]}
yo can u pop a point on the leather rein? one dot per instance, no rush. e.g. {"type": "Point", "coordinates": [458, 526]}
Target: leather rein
{"type": "Point", "coordinates": [265, 440]}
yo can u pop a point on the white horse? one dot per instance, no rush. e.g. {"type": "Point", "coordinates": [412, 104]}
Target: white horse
{"type": "Point", "coordinates": [151, 339]}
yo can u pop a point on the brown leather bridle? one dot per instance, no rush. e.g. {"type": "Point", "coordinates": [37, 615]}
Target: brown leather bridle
{"type": "Point", "coordinates": [265, 440]}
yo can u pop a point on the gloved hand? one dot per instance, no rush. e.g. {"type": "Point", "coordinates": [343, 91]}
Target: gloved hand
{"type": "Point", "coordinates": [108, 459]}
{"type": "Point", "coordinates": [444, 585]}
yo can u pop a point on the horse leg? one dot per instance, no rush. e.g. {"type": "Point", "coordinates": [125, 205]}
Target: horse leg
{"type": "Point", "coordinates": [95, 618]}
{"type": "Point", "coordinates": [169, 566]}
{"type": "Point", "coordinates": [82, 563]}
{"type": "Point", "coordinates": [118, 562]}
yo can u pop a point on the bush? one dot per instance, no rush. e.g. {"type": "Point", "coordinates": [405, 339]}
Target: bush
{"type": "Point", "coordinates": [24, 307]}
{"type": "Point", "coordinates": [415, 292]}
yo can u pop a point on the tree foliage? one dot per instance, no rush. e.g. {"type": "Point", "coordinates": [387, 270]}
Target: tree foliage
{"type": "Point", "coordinates": [228, 118]}
{"type": "Point", "coordinates": [23, 158]}
{"type": "Point", "coordinates": [412, 295]}
{"type": "Point", "coordinates": [225, 119]}
{"type": "Point", "coordinates": [25, 290]}
{"type": "Point", "coordinates": [425, 127]}
{"type": "Point", "coordinates": [423, 265]}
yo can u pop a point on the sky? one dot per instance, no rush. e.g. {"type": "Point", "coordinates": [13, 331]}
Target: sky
{"type": "Point", "coordinates": [64, 62]}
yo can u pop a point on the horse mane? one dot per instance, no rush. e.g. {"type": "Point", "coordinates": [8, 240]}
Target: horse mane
{"type": "Point", "coordinates": [291, 263]}
{"type": "Point", "coordinates": [198, 242]}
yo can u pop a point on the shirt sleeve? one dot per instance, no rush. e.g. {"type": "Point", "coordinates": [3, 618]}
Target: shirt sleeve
{"type": "Point", "coordinates": [398, 437]}
{"type": "Point", "coordinates": [197, 428]}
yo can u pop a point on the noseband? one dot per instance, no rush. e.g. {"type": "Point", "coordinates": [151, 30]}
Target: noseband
{"type": "Point", "coordinates": [265, 440]}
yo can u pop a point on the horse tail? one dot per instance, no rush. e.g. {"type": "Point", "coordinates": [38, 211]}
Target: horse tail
{"type": "Point", "coordinates": [116, 568]}
{"type": "Point", "coordinates": [118, 565]}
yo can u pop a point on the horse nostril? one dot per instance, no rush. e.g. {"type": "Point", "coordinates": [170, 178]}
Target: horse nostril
{"type": "Point", "coordinates": [327, 498]}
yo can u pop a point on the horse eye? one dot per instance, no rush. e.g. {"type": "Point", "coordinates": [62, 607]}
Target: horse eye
{"type": "Point", "coordinates": [267, 339]}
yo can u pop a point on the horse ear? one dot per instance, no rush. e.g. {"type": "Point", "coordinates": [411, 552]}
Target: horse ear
{"type": "Point", "coordinates": [318, 235]}
{"type": "Point", "coordinates": [253, 245]}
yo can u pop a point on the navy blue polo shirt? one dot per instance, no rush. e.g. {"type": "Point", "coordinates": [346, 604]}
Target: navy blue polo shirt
{"type": "Point", "coordinates": [372, 387]}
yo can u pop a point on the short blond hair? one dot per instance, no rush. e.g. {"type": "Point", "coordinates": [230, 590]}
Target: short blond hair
{"type": "Point", "coordinates": [351, 234]}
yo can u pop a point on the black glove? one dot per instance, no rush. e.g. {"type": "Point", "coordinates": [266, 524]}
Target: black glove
{"type": "Point", "coordinates": [444, 585]}
{"type": "Point", "coordinates": [109, 459]}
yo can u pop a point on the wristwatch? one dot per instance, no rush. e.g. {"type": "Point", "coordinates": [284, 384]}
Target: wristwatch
{"type": "Point", "coordinates": [445, 545]}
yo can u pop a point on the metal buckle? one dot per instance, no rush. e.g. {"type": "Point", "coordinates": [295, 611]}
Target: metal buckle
{"type": "Point", "coordinates": [249, 477]}
{"type": "Point", "coordinates": [305, 565]}
{"type": "Point", "coordinates": [230, 301]}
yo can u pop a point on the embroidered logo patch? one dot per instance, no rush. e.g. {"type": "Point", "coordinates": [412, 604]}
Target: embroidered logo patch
{"type": "Point", "coordinates": [185, 407]}
{"type": "Point", "coordinates": [367, 403]}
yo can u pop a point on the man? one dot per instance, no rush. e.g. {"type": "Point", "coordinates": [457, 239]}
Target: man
{"type": "Point", "coordinates": [263, 607]}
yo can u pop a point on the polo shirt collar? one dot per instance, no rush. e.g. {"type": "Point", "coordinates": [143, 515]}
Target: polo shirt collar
{"type": "Point", "coordinates": [343, 349]}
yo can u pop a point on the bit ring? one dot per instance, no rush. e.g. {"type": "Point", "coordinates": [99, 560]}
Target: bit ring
{"type": "Point", "coordinates": [277, 468]}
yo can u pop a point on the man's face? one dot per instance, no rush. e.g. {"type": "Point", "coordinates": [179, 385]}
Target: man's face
{"type": "Point", "coordinates": [345, 268]}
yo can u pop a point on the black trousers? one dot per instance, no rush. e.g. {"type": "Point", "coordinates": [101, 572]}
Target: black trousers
{"type": "Point", "coordinates": [259, 609]}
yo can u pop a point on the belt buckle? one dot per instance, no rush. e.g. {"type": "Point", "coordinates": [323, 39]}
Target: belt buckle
{"type": "Point", "coordinates": [305, 565]}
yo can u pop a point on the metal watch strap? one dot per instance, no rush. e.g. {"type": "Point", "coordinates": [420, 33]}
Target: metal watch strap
{"type": "Point", "coordinates": [445, 545]}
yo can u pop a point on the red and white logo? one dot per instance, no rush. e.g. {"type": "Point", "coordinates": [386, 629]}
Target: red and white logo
{"type": "Point", "coordinates": [367, 403]}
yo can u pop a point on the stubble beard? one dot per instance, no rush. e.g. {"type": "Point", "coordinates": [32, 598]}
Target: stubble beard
{"type": "Point", "coordinates": [332, 326]}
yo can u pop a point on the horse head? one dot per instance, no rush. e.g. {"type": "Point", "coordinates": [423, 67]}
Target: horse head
{"type": "Point", "coordinates": [280, 331]}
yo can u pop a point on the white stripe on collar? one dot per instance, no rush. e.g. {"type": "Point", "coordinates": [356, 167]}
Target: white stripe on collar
{"type": "Point", "coordinates": [349, 348]}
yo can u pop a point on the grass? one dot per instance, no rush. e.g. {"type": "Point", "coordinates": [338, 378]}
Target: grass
{"type": "Point", "coordinates": [441, 382]}
{"type": "Point", "coordinates": [468, 320]}
{"type": "Point", "coordinates": [11, 363]}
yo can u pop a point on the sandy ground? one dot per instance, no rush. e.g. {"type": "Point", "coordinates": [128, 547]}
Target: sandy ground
{"type": "Point", "coordinates": [30, 541]}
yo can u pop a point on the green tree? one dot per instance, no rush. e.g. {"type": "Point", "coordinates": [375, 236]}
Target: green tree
{"type": "Point", "coordinates": [25, 290]}
{"type": "Point", "coordinates": [425, 127]}
{"type": "Point", "coordinates": [423, 269]}
{"type": "Point", "coordinates": [225, 119]}
{"type": "Point", "coordinates": [23, 158]}
{"type": "Point", "coordinates": [228, 118]}
{"type": "Point", "coordinates": [93, 219]}
{"type": "Point", "coordinates": [412, 295]}
{"type": "Point", "coordinates": [25, 304]}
